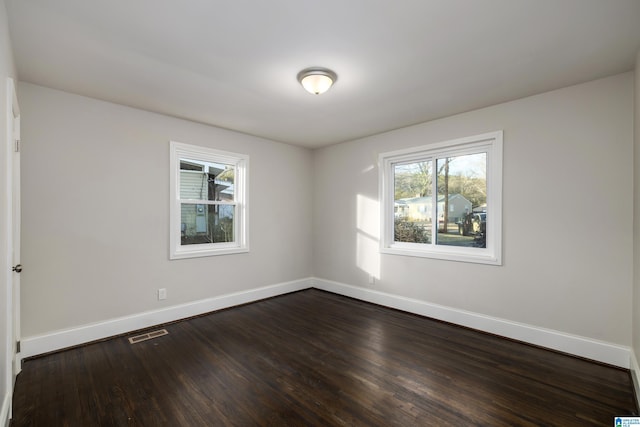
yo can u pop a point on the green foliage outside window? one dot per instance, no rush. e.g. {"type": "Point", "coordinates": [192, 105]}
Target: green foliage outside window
{"type": "Point", "coordinates": [409, 231]}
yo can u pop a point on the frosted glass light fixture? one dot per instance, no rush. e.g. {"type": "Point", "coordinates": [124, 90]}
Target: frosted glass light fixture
{"type": "Point", "coordinates": [317, 80]}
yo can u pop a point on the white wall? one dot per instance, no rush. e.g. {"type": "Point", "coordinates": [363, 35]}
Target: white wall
{"type": "Point", "coordinates": [95, 184]}
{"type": "Point", "coordinates": [568, 210]}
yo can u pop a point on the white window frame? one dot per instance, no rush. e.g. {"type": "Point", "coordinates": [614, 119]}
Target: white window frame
{"type": "Point", "coordinates": [240, 244]}
{"type": "Point", "coordinates": [490, 143]}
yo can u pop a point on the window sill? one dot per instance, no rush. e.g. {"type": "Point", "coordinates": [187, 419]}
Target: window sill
{"type": "Point", "coordinates": [442, 253]}
{"type": "Point", "coordinates": [207, 251]}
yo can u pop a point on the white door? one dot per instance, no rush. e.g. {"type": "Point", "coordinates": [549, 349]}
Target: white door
{"type": "Point", "coordinates": [17, 268]}
{"type": "Point", "coordinates": [13, 130]}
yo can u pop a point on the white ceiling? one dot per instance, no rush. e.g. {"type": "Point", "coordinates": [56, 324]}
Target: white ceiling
{"type": "Point", "coordinates": [233, 63]}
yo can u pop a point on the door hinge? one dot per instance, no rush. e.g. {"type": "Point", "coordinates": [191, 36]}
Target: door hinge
{"type": "Point", "coordinates": [17, 346]}
{"type": "Point", "coordinates": [17, 147]}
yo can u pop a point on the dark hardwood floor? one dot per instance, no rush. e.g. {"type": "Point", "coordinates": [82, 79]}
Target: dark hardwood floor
{"type": "Point", "coordinates": [316, 359]}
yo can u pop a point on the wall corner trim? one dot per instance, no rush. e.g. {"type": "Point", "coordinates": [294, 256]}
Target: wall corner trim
{"type": "Point", "coordinates": [61, 339]}
{"type": "Point", "coordinates": [589, 348]}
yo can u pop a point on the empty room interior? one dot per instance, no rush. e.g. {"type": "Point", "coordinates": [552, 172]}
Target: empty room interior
{"type": "Point", "coordinates": [349, 213]}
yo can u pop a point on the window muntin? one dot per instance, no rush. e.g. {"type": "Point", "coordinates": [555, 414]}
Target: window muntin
{"type": "Point", "coordinates": [208, 202]}
{"type": "Point", "coordinates": [444, 200]}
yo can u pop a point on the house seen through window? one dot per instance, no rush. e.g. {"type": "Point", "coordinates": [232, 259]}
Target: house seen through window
{"type": "Point", "coordinates": [461, 202]}
{"type": "Point", "coordinates": [444, 200]}
{"type": "Point", "coordinates": [208, 201]}
{"type": "Point", "coordinates": [206, 182]}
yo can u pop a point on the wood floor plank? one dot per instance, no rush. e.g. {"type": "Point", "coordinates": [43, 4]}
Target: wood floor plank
{"type": "Point", "coordinates": [313, 358]}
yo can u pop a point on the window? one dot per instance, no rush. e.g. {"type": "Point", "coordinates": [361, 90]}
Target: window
{"type": "Point", "coordinates": [444, 200]}
{"type": "Point", "coordinates": [208, 202]}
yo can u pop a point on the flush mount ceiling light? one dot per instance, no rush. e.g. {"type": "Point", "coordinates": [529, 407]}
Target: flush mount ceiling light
{"type": "Point", "coordinates": [317, 80]}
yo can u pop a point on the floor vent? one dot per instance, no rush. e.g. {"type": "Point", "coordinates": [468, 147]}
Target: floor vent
{"type": "Point", "coordinates": [148, 336]}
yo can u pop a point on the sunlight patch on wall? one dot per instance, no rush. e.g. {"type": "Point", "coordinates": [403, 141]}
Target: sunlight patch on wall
{"type": "Point", "coordinates": [368, 238]}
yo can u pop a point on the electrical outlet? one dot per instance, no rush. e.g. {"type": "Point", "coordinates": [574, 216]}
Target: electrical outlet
{"type": "Point", "coordinates": [372, 280]}
{"type": "Point", "coordinates": [162, 294]}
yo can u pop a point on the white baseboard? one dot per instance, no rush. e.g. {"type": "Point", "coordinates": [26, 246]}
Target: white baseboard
{"type": "Point", "coordinates": [35, 345]}
{"type": "Point", "coordinates": [605, 352]}
{"type": "Point", "coordinates": [635, 374]}
{"type": "Point", "coordinates": [601, 351]}
{"type": "Point", "coordinates": [5, 410]}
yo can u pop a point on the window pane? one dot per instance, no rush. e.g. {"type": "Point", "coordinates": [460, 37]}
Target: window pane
{"type": "Point", "coordinates": [206, 181]}
{"type": "Point", "coordinates": [462, 200]}
{"type": "Point", "coordinates": [412, 202]}
{"type": "Point", "coordinates": [206, 223]}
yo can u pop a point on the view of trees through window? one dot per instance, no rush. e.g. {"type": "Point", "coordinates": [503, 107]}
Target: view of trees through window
{"type": "Point", "coordinates": [455, 215]}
